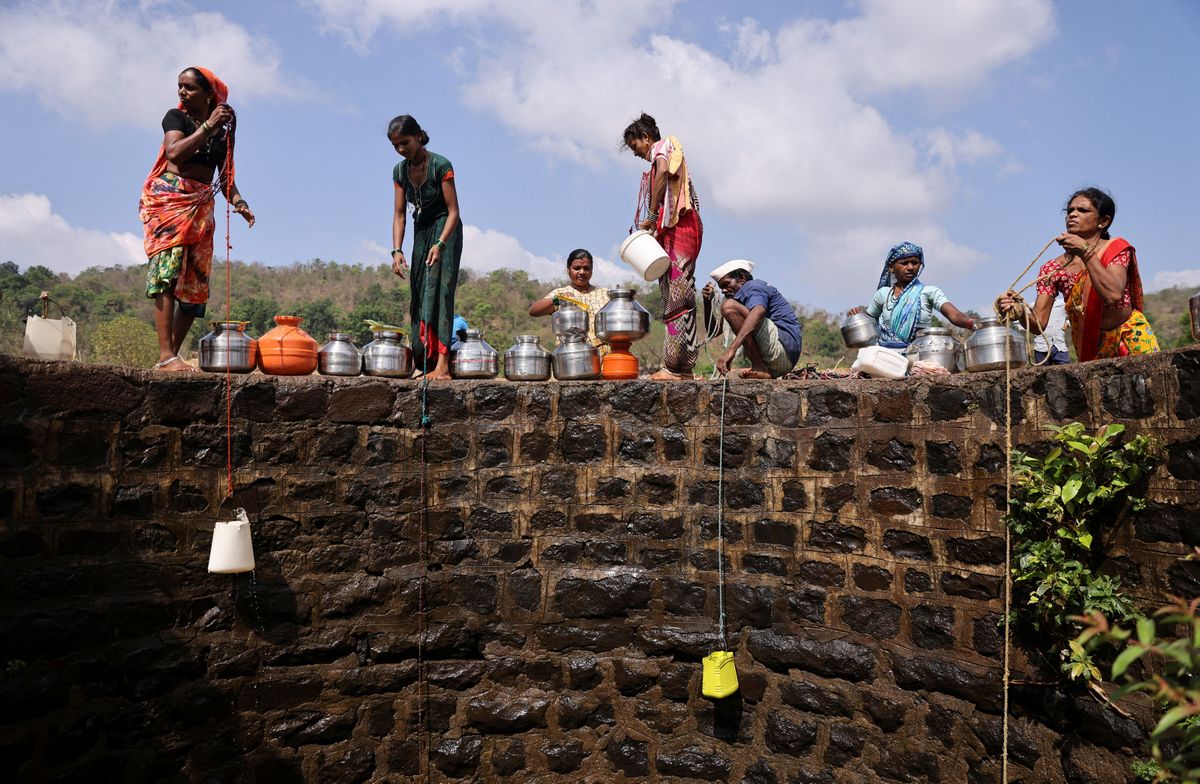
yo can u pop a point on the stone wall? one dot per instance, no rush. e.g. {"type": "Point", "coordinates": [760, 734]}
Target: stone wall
{"type": "Point", "coordinates": [570, 587]}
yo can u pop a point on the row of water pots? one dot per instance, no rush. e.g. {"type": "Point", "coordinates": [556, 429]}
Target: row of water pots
{"type": "Point", "coordinates": [287, 350]}
{"type": "Point", "coordinates": [983, 350]}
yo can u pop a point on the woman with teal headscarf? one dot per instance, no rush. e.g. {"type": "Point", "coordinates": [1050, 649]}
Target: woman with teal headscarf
{"type": "Point", "coordinates": [902, 304]}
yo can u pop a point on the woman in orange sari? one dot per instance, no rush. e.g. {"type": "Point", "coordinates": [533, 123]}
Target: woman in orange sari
{"type": "Point", "coordinates": [1097, 276]}
{"type": "Point", "coordinates": [177, 207]}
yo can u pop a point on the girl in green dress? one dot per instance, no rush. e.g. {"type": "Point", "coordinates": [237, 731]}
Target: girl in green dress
{"type": "Point", "coordinates": [426, 181]}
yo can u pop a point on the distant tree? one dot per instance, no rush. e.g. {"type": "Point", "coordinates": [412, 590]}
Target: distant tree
{"type": "Point", "coordinates": [125, 340]}
{"type": "Point", "coordinates": [320, 317]}
{"type": "Point", "coordinates": [258, 312]}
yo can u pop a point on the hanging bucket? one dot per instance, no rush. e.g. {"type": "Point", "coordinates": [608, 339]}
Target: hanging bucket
{"type": "Point", "coordinates": [642, 252]}
{"type": "Point", "coordinates": [232, 551]}
{"type": "Point", "coordinates": [719, 678]}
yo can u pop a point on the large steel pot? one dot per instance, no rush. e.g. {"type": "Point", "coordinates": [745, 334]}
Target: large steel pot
{"type": "Point", "coordinates": [860, 330]}
{"type": "Point", "coordinates": [939, 346]}
{"type": "Point", "coordinates": [575, 359]}
{"type": "Point", "coordinates": [388, 356]}
{"type": "Point", "coordinates": [228, 348]}
{"type": "Point", "coordinates": [569, 320]}
{"type": "Point", "coordinates": [623, 319]}
{"type": "Point", "coordinates": [474, 358]}
{"type": "Point", "coordinates": [1194, 308]}
{"type": "Point", "coordinates": [339, 357]}
{"type": "Point", "coordinates": [985, 347]}
{"type": "Point", "coordinates": [527, 360]}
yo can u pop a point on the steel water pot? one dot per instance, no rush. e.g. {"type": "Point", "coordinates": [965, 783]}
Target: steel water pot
{"type": "Point", "coordinates": [228, 348]}
{"type": "Point", "coordinates": [623, 319]}
{"type": "Point", "coordinates": [860, 330]}
{"type": "Point", "coordinates": [474, 358]}
{"type": "Point", "coordinates": [575, 359]}
{"type": "Point", "coordinates": [527, 360]}
{"type": "Point", "coordinates": [985, 347]}
{"type": "Point", "coordinates": [569, 320]}
{"type": "Point", "coordinates": [939, 346]}
{"type": "Point", "coordinates": [339, 357]}
{"type": "Point", "coordinates": [387, 356]}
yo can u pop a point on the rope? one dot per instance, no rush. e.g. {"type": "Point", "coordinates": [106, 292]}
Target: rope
{"type": "Point", "coordinates": [422, 680]}
{"type": "Point", "coordinates": [721, 521]}
{"type": "Point", "coordinates": [1029, 266]}
{"type": "Point", "coordinates": [1007, 540]}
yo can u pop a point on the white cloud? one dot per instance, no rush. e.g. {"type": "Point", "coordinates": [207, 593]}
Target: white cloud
{"type": "Point", "coordinates": [1165, 279]}
{"type": "Point", "coordinates": [485, 250]}
{"type": "Point", "coordinates": [115, 63]}
{"type": "Point", "coordinates": [787, 127]}
{"type": "Point", "coordinates": [32, 233]}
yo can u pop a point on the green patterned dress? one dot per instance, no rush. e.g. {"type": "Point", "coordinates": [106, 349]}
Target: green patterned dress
{"type": "Point", "coordinates": [432, 308]}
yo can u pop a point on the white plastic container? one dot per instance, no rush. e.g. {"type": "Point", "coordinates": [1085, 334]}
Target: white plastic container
{"type": "Point", "coordinates": [642, 252]}
{"type": "Point", "coordinates": [881, 362]}
{"type": "Point", "coordinates": [232, 551]}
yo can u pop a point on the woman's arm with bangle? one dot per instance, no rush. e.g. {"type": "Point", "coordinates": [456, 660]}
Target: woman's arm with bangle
{"type": "Point", "coordinates": [179, 149]}
{"type": "Point", "coordinates": [658, 188]}
{"type": "Point", "coordinates": [543, 307]}
{"type": "Point", "coordinates": [399, 220]}
{"type": "Point", "coordinates": [450, 194]}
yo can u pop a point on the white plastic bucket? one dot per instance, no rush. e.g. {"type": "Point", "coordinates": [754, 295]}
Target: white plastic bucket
{"type": "Point", "coordinates": [232, 551]}
{"type": "Point", "coordinates": [881, 362]}
{"type": "Point", "coordinates": [642, 252]}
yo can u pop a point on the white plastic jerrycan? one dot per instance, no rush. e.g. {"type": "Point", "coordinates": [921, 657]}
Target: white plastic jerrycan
{"type": "Point", "coordinates": [881, 362]}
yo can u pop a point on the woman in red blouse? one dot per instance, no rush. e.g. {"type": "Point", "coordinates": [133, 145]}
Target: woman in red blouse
{"type": "Point", "coordinates": [1097, 276]}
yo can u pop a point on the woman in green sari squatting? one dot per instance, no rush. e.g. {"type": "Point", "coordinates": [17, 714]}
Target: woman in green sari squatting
{"type": "Point", "coordinates": [425, 180]}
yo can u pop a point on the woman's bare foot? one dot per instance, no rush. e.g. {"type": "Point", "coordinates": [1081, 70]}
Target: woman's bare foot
{"type": "Point", "coordinates": [438, 374]}
{"type": "Point", "coordinates": [173, 365]}
{"type": "Point", "coordinates": [669, 375]}
{"type": "Point", "coordinates": [753, 373]}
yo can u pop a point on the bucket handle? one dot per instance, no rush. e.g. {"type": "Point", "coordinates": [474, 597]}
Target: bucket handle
{"type": "Point", "coordinates": [44, 297]}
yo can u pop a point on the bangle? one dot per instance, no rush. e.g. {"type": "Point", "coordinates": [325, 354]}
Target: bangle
{"type": "Point", "coordinates": [240, 203]}
{"type": "Point", "coordinates": [440, 244]}
{"type": "Point", "coordinates": [653, 216]}
{"type": "Point", "coordinates": [397, 250]}
{"type": "Point", "coordinates": [204, 126]}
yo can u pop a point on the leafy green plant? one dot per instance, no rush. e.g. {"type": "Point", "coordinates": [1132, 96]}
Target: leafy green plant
{"type": "Point", "coordinates": [1063, 504]}
{"type": "Point", "coordinates": [1175, 739]}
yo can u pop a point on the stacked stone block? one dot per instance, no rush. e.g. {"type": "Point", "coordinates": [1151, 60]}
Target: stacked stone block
{"type": "Point", "coordinates": [524, 592]}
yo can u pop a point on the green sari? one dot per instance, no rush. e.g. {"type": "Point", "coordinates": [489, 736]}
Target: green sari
{"type": "Point", "coordinates": [432, 308]}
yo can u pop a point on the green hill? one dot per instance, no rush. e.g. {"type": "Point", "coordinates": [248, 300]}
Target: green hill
{"type": "Point", "coordinates": [329, 295]}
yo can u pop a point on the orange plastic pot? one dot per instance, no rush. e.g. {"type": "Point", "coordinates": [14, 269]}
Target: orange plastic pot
{"type": "Point", "coordinates": [287, 350]}
{"type": "Point", "coordinates": [619, 364]}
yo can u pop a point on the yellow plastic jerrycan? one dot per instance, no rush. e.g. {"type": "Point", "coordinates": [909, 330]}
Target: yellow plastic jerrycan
{"type": "Point", "coordinates": [720, 676]}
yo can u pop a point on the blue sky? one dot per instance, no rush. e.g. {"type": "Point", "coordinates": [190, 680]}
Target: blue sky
{"type": "Point", "coordinates": [818, 133]}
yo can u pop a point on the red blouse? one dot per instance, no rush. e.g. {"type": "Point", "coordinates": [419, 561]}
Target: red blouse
{"type": "Point", "coordinates": [1062, 281]}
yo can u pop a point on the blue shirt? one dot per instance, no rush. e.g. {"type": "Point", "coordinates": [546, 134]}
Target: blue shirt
{"type": "Point", "coordinates": [756, 292]}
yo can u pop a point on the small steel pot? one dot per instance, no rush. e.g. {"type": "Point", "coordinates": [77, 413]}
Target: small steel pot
{"type": "Point", "coordinates": [860, 330]}
{"type": "Point", "coordinates": [569, 320]}
{"type": "Point", "coordinates": [388, 356]}
{"type": "Point", "coordinates": [228, 348]}
{"type": "Point", "coordinates": [474, 358]}
{"type": "Point", "coordinates": [527, 360]}
{"type": "Point", "coordinates": [939, 346]}
{"type": "Point", "coordinates": [339, 357]}
{"type": "Point", "coordinates": [985, 347]}
{"type": "Point", "coordinates": [576, 360]}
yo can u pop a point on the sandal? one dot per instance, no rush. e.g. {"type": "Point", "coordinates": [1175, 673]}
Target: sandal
{"type": "Point", "coordinates": [169, 360]}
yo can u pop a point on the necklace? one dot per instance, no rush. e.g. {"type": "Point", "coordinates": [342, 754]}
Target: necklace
{"type": "Point", "coordinates": [206, 148]}
{"type": "Point", "coordinates": [417, 202]}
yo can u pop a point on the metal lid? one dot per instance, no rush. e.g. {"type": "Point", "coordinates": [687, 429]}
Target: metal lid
{"type": "Point", "coordinates": [620, 293]}
{"type": "Point", "coordinates": [472, 334]}
{"type": "Point", "coordinates": [338, 335]}
{"type": "Point", "coordinates": [934, 331]}
{"type": "Point", "coordinates": [385, 334]}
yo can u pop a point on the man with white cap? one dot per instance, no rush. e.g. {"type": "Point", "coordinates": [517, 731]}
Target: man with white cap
{"type": "Point", "coordinates": [755, 309]}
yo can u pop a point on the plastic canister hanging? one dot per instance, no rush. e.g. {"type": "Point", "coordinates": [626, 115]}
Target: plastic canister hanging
{"type": "Point", "coordinates": [719, 677]}
{"type": "Point", "coordinates": [232, 551]}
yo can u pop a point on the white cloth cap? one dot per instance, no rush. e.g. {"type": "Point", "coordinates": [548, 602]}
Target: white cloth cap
{"type": "Point", "coordinates": [730, 266]}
